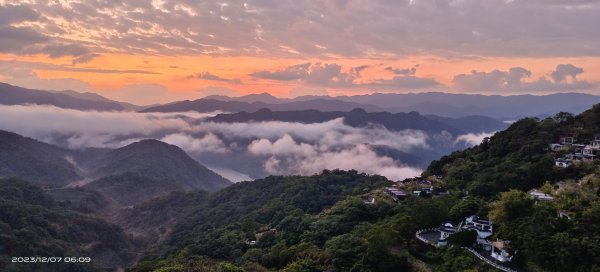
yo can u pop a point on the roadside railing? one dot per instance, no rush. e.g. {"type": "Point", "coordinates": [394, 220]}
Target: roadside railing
{"type": "Point", "coordinates": [488, 261]}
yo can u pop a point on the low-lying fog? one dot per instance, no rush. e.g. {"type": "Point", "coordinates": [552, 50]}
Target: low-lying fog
{"type": "Point", "coordinates": [240, 151]}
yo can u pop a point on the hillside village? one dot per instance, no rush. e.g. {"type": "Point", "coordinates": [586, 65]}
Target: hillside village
{"type": "Point", "coordinates": [494, 251]}
{"type": "Point", "coordinates": [577, 152]}
{"type": "Point", "coordinates": [484, 243]}
{"type": "Point", "coordinates": [476, 233]}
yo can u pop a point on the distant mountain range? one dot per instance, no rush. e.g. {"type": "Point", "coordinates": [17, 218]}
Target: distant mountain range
{"type": "Point", "coordinates": [506, 108]}
{"type": "Point", "coordinates": [441, 104]}
{"type": "Point", "coordinates": [155, 167]}
{"type": "Point", "coordinates": [99, 98]}
{"type": "Point", "coordinates": [13, 95]}
{"type": "Point", "coordinates": [496, 106]}
{"type": "Point", "coordinates": [361, 118]}
{"type": "Point", "coordinates": [210, 105]}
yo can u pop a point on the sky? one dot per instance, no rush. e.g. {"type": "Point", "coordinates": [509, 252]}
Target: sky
{"type": "Point", "coordinates": [160, 51]}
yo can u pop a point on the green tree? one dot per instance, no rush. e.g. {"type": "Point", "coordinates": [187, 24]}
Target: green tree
{"type": "Point", "coordinates": [463, 238]}
{"type": "Point", "coordinates": [347, 252]}
{"type": "Point", "coordinates": [510, 206]}
{"type": "Point", "coordinates": [228, 267]}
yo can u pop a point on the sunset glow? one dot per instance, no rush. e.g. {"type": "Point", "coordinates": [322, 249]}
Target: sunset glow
{"type": "Point", "coordinates": [164, 51]}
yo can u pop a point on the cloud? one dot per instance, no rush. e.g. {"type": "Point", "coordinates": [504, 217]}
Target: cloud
{"type": "Point", "coordinates": [332, 133]}
{"type": "Point", "coordinates": [473, 139]}
{"type": "Point", "coordinates": [296, 147]}
{"type": "Point", "coordinates": [358, 69]}
{"type": "Point", "coordinates": [13, 39]}
{"type": "Point", "coordinates": [55, 67]}
{"type": "Point", "coordinates": [208, 143]}
{"type": "Point", "coordinates": [16, 13]}
{"type": "Point", "coordinates": [293, 148]}
{"type": "Point", "coordinates": [45, 121]}
{"type": "Point", "coordinates": [333, 76]}
{"type": "Point", "coordinates": [213, 77]}
{"type": "Point", "coordinates": [359, 157]}
{"type": "Point", "coordinates": [272, 147]}
{"type": "Point", "coordinates": [85, 58]}
{"type": "Point", "coordinates": [85, 128]}
{"type": "Point", "coordinates": [515, 80]}
{"type": "Point", "coordinates": [319, 28]}
{"type": "Point", "coordinates": [23, 39]}
{"type": "Point", "coordinates": [564, 71]}
{"type": "Point", "coordinates": [79, 53]}
{"type": "Point", "coordinates": [319, 74]}
{"type": "Point", "coordinates": [401, 71]}
{"type": "Point", "coordinates": [293, 72]}
{"type": "Point", "coordinates": [285, 145]}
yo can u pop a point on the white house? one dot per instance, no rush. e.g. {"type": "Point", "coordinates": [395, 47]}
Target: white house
{"type": "Point", "coordinates": [445, 230]}
{"type": "Point", "coordinates": [539, 195]}
{"type": "Point", "coordinates": [395, 193]}
{"type": "Point", "coordinates": [568, 139]}
{"type": "Point", "coordinates": [588, 151]}
{"type": "Point", "coordinates": [558, 147]}
{"type": "Point", "coordinates": [482, 226]}
{"type": "Point", "coordinates": [564, 163]}
{"type": "Point", "coordinates": [596, 142]}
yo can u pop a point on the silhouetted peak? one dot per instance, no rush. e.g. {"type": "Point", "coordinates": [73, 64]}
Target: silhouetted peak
{"type": "Point", "coordinates": [264, 111]}
{"type": "Point", "coordinates": [263, 94]}
{"type": "Point", "coordinates": [358, 111]}
{"type": "Point", "coordinates": [152, 143]}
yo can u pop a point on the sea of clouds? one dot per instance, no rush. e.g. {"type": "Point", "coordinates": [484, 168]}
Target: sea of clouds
{"type": "Point", "coordinates": [282, 148]}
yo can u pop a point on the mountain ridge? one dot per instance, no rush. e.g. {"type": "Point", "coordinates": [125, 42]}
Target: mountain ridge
{"type": "Point", "coordinates": [211, 105]}
{"type": "Point", "coordinates": [14, 95]}
{"type": "Point", "coordinates": [159, 167]}
{"type": "Point", "coordinates": [360, 118]}
{"type": "Point", "coordinates": [156, 159]}
{"type": "Point", "coordinates": [35, 160]}
{"type": "Point", "coordinates": [505, 107]}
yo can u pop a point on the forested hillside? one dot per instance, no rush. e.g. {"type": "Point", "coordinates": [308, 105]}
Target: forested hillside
{"type": "Point", "coordinates": [560, 232]}
{"type": "Point", "coordinates": [518, 157]}
{"type": "Point", "coordinates": [163, 165]}
{"type": "Point", "coordinates": [35, 161]}
{"type": "Point", "coordinates": [33, 224]}
{"type": "Point", "coordinates": [297, 223]}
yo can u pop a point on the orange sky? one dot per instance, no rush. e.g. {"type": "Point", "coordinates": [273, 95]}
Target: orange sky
{"type": "Point", "coordinates": [149, 52]}
{"type": "Point", "coordinates": [172, 72]}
